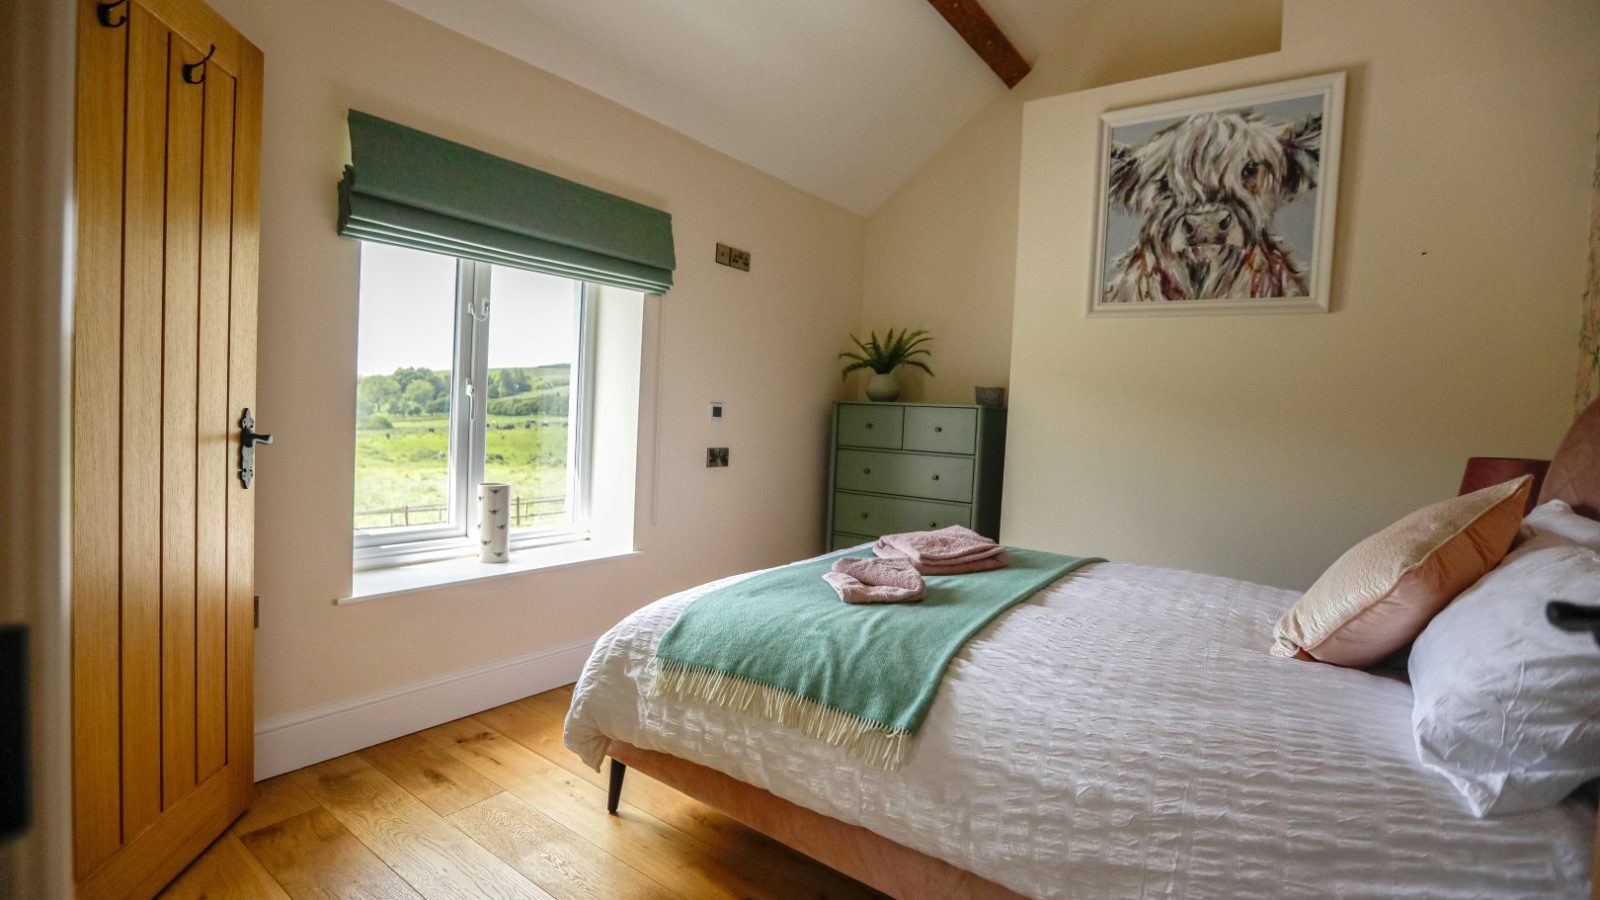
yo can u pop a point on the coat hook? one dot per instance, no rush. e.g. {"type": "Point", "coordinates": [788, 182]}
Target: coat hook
{"type": "Point", "coordinates": [102, 11]}
{"type": "Point", "coordinates": [188, 68]}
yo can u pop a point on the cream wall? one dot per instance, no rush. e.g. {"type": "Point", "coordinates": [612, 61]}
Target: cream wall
{"type": "Point", "coordinates": [1262, 446]}
{"type": "Point", "coordinates": [759, 341]}
{"type": "Point", "coordinates": [941, 253]}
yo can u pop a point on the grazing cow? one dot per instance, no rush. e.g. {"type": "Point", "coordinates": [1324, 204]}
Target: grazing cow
{"type": "Point", "coordinates": [1206, 190]}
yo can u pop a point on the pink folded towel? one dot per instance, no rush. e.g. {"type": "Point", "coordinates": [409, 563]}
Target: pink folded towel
{"type": "Point", "coordinates": [852, 591]}
{"type": "Point", "coordinates": [899, 573]}
{"type": "Point", "coordinates": [948, 551]}
{"type": "Point", "coordinates": [876, 580]}
{"type": "Point", "coordinates": [997, 561]}
{"type": "Point", "coordinates": [945, 546]}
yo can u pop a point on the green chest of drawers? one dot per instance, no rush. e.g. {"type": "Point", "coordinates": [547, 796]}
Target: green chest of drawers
{"type": "Point", "coordinates": [914, 466]}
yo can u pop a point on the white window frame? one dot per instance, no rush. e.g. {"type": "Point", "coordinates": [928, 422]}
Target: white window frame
{"type": "Point", "coordinates": [469, 409]}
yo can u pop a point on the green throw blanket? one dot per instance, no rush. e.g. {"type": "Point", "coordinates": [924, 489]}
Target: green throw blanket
{"type": "Point", "coordinates": [783, 645]}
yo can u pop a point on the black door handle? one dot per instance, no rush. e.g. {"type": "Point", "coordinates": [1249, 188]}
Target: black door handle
{"type": "Point", "coordinates": [248, 439]}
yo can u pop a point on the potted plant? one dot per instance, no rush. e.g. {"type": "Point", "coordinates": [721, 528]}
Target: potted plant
{"type": "Point", "coordinates": [883, 357]}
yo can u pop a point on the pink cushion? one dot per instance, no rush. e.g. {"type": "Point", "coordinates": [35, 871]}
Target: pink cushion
{"type": "Point", "coordinates": [1383, 591]}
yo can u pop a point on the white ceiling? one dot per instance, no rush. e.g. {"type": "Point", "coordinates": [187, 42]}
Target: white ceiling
{"type": "Point", "coordinates": [844, 99]}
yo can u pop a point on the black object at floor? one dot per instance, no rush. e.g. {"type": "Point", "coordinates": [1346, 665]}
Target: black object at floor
{"type": "Point", "coordinates": [14, 803]}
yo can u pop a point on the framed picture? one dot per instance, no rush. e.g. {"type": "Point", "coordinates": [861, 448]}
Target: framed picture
{"type": "Point", "coordinates": [1219, 203]}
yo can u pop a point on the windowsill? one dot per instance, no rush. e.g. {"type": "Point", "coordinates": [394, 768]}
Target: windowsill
{"type": "Point", "coordinates": [372, 584]}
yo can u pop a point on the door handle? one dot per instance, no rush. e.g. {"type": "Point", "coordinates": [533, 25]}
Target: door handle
{"type": "Point", "coordinates": [248, 439]}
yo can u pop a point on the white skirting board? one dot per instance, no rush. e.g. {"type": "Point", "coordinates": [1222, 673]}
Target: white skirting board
{"type": "Point", "coordinates": [300, 739]}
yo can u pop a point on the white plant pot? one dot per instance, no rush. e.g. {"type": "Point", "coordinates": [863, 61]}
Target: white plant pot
{"type": "Point", "coordinates": [494, 521]}
{"type": "Point", "coordinates": [883, 388]}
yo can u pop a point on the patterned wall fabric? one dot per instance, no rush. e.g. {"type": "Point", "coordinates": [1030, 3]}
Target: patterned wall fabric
{"type": "Point", "coordinates": [1589, 336]}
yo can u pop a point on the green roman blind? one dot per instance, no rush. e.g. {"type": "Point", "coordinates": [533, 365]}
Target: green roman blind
{"type": "Point", "coordinates": [412, 189]}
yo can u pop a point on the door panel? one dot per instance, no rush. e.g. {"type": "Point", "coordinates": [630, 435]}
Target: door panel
{"type": "Point", "coordinates": [164, 356]}
{"type": "Point", "coordinates": [243, 275]}
{"type": "Point", "coordinates": [178, 426]}
{"type": "Point", "coordinates": [143, 281]}
{"type": "Point", "coordinates": [96, 430]}
{"type": "Point", "coordinates": [211, 464]}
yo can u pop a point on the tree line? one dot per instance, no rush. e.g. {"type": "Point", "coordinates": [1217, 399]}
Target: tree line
{"type": "Point", "coordinates": [414, 391]}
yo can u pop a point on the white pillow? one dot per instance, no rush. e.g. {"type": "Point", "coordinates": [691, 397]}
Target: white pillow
{"type": "Point", "coordinates": [1553, 524]}
{"type": "Point", "coordinates": [1506, 706]}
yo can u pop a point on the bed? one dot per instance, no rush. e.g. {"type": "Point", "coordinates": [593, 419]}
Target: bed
{"type": "Point", "coordinates": [1123, 733]}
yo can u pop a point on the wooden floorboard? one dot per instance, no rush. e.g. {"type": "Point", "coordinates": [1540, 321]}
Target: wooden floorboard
{"type": "Point", "coordinates": [313, 857]}
{"type": "Point", "coordinates": [434, 856]}
{"type": "Point", "coordinates": [276, 799]}
{"type": "Point", "coordinates": [665, 854]}
{"type": "Point", "coordinates": [226, 869]}
{"type": "Point", "coordinates": [491, 806]}
{"type": "Point", "coordinates": [536, 723]}
{"type": "Point", "coordinates": [549, 855]}
{"type": "Point", "coordinates": [438, 779]}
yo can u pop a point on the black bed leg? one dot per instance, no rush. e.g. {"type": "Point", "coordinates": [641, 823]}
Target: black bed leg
{"type": "Point", "coordinates": [614, 796]}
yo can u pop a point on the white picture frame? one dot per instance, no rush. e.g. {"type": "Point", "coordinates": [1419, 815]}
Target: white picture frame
{"type": "Point", "coordinates": [1195, 246]}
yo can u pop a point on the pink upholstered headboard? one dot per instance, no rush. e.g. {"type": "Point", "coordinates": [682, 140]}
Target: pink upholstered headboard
{"type": "Point", "coordinates": [1575, 471]}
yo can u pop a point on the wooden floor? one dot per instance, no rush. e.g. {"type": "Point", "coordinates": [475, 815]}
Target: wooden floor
{"type": "Point", "coordinates": [491, 806]}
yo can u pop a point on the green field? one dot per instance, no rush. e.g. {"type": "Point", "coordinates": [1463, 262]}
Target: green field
{"type": "Point", "coordinates": [402, 453]}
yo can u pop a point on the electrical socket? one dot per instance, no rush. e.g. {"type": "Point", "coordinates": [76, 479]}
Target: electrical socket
{"type": "Point", "coordinates": [733, 257]}
{"type": "Point", "coordinates": [716, 457]}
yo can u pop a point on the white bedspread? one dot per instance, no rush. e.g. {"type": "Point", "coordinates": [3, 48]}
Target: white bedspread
{"type": "Point", "coordinates": [1125, 734]}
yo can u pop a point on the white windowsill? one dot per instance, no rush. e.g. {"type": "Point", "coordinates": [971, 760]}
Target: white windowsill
{"type": "Point", "coordinates": [372, 584]}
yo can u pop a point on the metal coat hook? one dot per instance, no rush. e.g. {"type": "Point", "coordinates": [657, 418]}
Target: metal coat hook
{"type": "Point", "coordinates": [188, 68]}
{"type": "Point", "coordinates": [102, 12]}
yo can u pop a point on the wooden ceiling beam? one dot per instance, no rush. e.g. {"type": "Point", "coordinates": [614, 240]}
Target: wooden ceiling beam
{"type": "Point", "coordinates": [973, 23]}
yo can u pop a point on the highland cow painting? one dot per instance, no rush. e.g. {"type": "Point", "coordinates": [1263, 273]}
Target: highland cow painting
{"type": "Point", "coordinates": [1220, 203]}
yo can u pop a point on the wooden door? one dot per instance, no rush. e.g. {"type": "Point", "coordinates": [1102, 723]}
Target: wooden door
{"type": "Point", "coordinates": [163, 362]}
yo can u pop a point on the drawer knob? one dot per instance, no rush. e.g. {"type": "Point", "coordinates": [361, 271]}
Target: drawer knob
{"type": "Point", "coordinates": [866, 471]}
{"type": "Point", "coordinates": [936, 478]}
{"type": "Point", "coordinates": [866, 515]}
{"type": "Point", "coordinates": [938, 428]}
{"type": "Point", "coordinates": [933, 524]}
{"type": "Point", "coordinates": [869, 426]}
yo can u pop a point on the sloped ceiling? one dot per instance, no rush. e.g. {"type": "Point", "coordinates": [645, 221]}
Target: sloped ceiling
{"type": "Point", "coordinates": [843, 99]}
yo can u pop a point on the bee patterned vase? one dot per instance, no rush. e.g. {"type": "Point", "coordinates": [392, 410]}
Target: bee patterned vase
{"type": "Point", "coordinates": [494, 517]}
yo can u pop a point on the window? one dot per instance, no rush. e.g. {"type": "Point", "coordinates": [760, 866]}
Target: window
{"type": "Point", "coordinates": [468, 372]}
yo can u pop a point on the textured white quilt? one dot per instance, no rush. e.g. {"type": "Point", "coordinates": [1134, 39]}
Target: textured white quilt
{"type": "Point", "coordinates": [1125, 734]}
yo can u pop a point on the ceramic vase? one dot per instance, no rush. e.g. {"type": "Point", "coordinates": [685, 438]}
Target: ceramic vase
{"type": "Point", "coordinates": [883, 387]}
{"type": "Point", "coordinates": [494, 520]}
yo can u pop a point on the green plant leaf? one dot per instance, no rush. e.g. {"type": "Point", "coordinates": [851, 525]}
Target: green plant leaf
{"type": "Point", "coordinates": [893, 350]}
{"type": "Point", "coordinates": [861, 364]}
